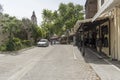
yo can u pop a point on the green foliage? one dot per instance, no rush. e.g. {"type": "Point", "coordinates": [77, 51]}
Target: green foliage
{"type": "Point", "coordinates": [22, 29]}
{"type": "Point", "coordinates": [10, 25]}
{"type": "Point", "coordinates": [57, 22]}
{"type": "Point", "coordinates": [17, 43]}
{"type": "Point", "coordinates": [3, 47]}
{"type": "Point", "coordinates": [21, 33]}
{"type": "Point", "coordinates": [36, 32]}
{"type": "Point", "coordinates": [27, 43]}
{"type": "Point", "coordinates": [13, 44]}
{"type": "Point", "coordinates": [10, 45]}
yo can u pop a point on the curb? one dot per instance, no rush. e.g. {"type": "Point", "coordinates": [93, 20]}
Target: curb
{"type": "Point", "coordinates": [105, 60]}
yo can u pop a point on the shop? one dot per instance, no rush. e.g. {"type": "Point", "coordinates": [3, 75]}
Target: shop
{"type": "Point", "coordinates": [95, 35]}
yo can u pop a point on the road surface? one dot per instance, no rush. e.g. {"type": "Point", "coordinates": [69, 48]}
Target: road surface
{"type": "Point", "coordinates": [58, 62]}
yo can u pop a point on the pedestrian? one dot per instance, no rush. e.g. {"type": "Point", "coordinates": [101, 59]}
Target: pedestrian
{"type": "Point", "coordinates": [51, 42]}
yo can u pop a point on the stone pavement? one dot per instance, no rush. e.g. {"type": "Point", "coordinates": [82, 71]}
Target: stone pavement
{"type": "Point", "coordinates": [11, 64]}
{"type": "Point", "coordinates": [102, 66]}
{"type": "Point", "coordinates": [64, 62]}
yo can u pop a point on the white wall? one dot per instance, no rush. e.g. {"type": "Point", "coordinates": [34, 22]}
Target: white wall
{"type": "Point", "coordinates": [99, 3]}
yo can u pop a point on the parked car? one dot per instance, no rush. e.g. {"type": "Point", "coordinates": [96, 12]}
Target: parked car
{"type": "Point", "coordinates": [43, 43]}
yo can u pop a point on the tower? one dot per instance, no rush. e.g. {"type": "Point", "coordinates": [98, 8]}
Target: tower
{"type": "Point", "coordinates": [34, 18]}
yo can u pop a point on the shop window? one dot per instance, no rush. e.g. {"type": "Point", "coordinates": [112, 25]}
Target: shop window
{"type": "Point", "coordinates": [105, 42]}
{"type": "Point", "coordinates": [104, 30]}
{"type": "Point", "coordinates": [104, 34]}
{"type": "Point", "coordinates": [99, 42]}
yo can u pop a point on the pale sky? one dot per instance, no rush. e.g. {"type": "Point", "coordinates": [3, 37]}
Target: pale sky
{"type": "Point", "coordinates": [24, 8]}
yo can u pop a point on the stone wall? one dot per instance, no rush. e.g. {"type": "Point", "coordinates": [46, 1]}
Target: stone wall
{"type": "Point", "coordinates": [90, 8]}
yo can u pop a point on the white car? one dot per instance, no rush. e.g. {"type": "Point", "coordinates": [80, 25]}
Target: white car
{"type": "Point", "coordinates": [43, 43]}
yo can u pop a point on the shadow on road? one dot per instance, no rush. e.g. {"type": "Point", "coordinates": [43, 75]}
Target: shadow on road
{"type": "Point", "coordinates": [94, 57]}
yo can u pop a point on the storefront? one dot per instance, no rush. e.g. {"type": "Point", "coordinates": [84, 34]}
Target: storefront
{"type": "Point", "coordinates": [111, 8]}
{"type": "Point", "coordinates": [95, 35]}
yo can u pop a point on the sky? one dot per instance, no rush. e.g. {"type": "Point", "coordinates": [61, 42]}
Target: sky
{"type": "Point", "coordinates": [24, 8]}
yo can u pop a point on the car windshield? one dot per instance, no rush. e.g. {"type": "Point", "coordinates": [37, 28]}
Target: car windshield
{"type": "Point", "coordinates": [43, 40]}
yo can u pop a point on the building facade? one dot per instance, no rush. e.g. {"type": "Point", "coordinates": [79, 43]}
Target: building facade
{"type": "Point", "coordinates": [102, 29]}
{"type": "Point", "coordinates": [90, 8]}
{"type": "Point", "coordinates": [111, 9]}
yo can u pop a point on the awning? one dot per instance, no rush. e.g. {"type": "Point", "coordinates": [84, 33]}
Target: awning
{"type": "Point", "coordinates": [87, 23]}
{"type": "Point", "coordinates": [54, 36]}
{"type": "Point", "coordinates": [79, 22]}
{"type": "Point", "coordinates": [108, 5]}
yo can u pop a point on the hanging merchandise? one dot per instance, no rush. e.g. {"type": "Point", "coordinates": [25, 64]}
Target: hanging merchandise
{"type": "Point", "coordinates": [105, 44]}
{"type": "Point", "coordinates": [99, 42]}
{"type": "Point", "coordinates": [104, 29]}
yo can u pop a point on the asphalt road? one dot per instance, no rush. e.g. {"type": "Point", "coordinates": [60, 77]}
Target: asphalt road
{"type": "Point", "coordinates": [58, 62]}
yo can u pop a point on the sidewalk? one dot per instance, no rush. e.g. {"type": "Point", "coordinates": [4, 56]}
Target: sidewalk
{"type": "Point", "coordinates": [104, 67]}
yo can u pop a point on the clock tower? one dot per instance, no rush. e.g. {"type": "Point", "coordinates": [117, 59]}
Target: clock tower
{"type": "Point", "coordinates": [34, 18]}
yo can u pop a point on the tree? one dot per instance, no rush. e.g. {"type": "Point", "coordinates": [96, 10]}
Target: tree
{"type": "Point", "coordinates": [70, 13]}
{"type": "Point", "coordinates": [58, 21]}
{"type": "Point", "coordinates": [36, 32]}
{"type": "Point", "coordinates": [1, 8]}
{"type": "Point", "coordinates": [48, 20]}
{"type": "Point", "coordinates": [10, 25]}
{"type": "Point", "coordinates": [26, 28]}
{"type": "Point", "coordinates": [31, 30]}
{"type": "Point", "coordinates": [20, 32]}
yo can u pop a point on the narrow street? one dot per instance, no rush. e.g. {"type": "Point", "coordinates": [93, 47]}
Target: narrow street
{"type": "Point", "coordinates": [62, 40]}
{"type": "Point", "coordinates": [58, 62]}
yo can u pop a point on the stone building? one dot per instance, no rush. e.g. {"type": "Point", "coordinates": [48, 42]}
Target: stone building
{"type": "Point", "coordinates": [90, 8]}
{"type": "Point", "coordinates": [34, 18]}
{"type": "Point", "coordinates": [111, 9]}
{"type": "Point", "coordinates": [103, 28]}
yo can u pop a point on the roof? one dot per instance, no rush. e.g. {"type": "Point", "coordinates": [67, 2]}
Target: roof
{"type": "Point", "coordinates": [84, 21]}
{"type": "Point", "coordinates": [78, 23]}
{"type": "Point", "coordinates": [54, 36]}
{"type": "Point", "coordinates": [89, 22]}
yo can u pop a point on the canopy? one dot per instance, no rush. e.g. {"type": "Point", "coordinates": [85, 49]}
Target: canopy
{"type": "Point", "coordinates": [79, 22]}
